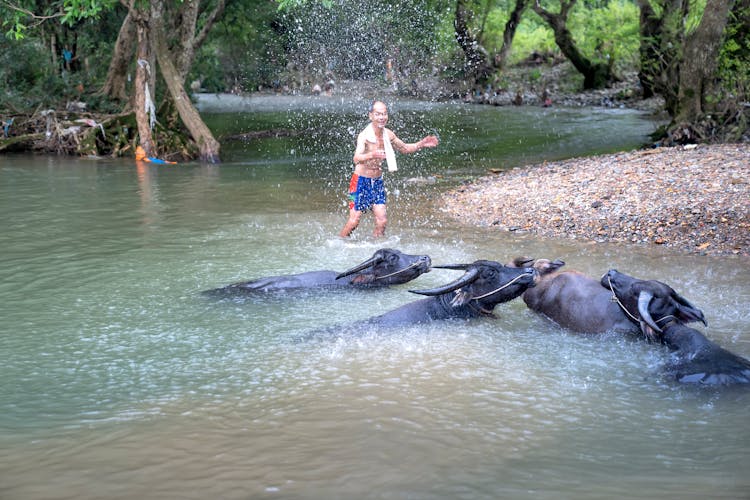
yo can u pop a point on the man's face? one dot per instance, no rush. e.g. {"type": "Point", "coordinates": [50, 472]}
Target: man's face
{"type": "Point", "coordinates": [379, 115]}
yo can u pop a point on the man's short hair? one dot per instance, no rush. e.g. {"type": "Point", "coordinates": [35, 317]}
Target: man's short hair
{"type": "Point", "coordinates": [372, 105]}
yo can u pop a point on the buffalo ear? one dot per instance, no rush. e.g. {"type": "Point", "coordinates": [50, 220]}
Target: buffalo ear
{"type": "Point", "coordinates": [522, 262]}
{"type": "Point", "coordinates": [363, 279]}
{"type": "Point", "coordinates": [556, 264]}
{"type": "Point", "coordinates": [687, 312]}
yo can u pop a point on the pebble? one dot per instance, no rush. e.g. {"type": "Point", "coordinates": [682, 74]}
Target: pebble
{"type": "Point", "coordinates": [694, 198]}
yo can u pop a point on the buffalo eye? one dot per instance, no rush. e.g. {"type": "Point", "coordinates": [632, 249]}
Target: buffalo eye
{"type": "Point", "coordinates": [489, 274]}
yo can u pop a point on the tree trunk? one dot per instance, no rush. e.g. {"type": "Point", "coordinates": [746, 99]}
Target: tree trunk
{"type": "Point", "coordinates": [142, 78]}
{"type": "Point", "coordinates": [53, 50]}
{"type": "Point", "coordinates": [477, 60]}
{"type": "Point", "coordinates": [208, 146]}
{"type": "Point", "coordinates": [184, 50]}
{"type": "Point", "coordinates": [188, 40]}
{"type": "Point", "coordinates": [509, 33]}
{"type": "Point", "coordinates": [175, 80]}
{"type": "Point", "coordinates": [595, 75]}
{"type": "Point", "coordinates": [662, 39]}
{"type": "Point", "coordinates": [704, 102]}
{"type": "Point", "coordinates": [650, 28]}
{"type": "Point", "coordinates": [114, 87]}
{"type": "Point", "coordinates": [700, 60]}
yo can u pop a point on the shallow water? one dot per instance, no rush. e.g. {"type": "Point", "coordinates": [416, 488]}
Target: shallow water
{"type": "Point", "coordinates": [120, 380]}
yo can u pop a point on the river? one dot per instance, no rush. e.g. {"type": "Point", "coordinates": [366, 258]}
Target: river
{"type": "Point", "coordinates": [121, 380]}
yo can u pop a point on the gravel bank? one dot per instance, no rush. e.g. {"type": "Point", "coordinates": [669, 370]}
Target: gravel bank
{"type": "Point", "coordinates": [695, 199]}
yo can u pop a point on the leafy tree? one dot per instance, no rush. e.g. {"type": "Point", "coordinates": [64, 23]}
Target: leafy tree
{"type": "Point", "coordinates": [680, 59]}
{"type": "Point", "coordinates": [244, 50]}
{"type": "Point", "coordinates": [596, 74]}
{"type": "Point", "coordinates": [480, 63]}
{"type": "Point", "coordinates": [151, 30]}
{"type": "Point", "coordinates": [356, 40]}
{"type": "Point", "coordinates": [65, 48]}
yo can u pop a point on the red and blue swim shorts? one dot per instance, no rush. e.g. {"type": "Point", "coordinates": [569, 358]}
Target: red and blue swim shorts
{"type": "Point", "coordinates": [364, 192]}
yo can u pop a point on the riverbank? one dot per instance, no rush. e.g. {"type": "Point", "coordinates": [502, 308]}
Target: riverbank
{"type": "Point", "coordinates": [694, 199]}
{"type": "Point", "coordinates": [74, 129]}
{"type": "Point", "coordinates": [530, 84]}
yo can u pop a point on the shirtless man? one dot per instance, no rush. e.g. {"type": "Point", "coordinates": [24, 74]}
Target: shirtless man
{"type": "Point", "coordinates": [366, 189]}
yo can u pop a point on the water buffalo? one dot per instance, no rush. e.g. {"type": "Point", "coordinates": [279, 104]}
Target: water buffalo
{"type": "Point", "coordinates": [484, 285]}
{"type": "Point", "coordinates": [662, 314]}
{"type": "Point", "coordinates": [386, 267]}
{"type": "Point", "coordinates": [573, 300]}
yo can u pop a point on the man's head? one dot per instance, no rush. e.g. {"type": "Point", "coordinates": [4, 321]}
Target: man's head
{"type": "Point", "coordinates": [378, 114]}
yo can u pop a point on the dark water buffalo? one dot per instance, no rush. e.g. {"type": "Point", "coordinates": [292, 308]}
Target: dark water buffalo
{"type": "Point", "coordinates": [573, 300]}
{"type": "Point", "coordinates": [662, 314]}
{"type": "Point", "coordinates": [386, 267]}
{"type": "Point", "coordinates": [484, 285]}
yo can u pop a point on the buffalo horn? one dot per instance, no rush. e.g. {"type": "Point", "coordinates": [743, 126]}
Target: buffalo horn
{"type": "Point", "coordinates": [368, 263]}
{"type": "Point", "coordinates": [644, 298]}
{"type": "Point", "coordinates": [470, 276]}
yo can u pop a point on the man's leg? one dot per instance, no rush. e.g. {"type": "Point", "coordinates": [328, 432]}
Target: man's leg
{"type": "Point", "coordinates": [351, 223]}
{"type": "Point", "coordinates": [380, 220]}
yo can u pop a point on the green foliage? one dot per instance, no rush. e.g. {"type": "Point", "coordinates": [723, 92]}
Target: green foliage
{"type": "Point", "coordinates": [244, 50]}
{"type": "Point", "coordinates": [288, 5]}
{"type": "Point", "coordinates": [609, 34]}
{"type": "Point", "coordinates": [32, 76]}
{"type": "Point", "coordinates": [353, 40]}
{"type": "Point", "coordinates": [734, 59]}
{"type": "Point", "coordinates": [18, 16]}
{"type": "Point", "coordinates": [603, 30]}
{"type": "Point", "coordinates": [76, 10]}
{"type": "Point", "coordinates": [13, 22]}
{"type": "Point", "coordinates": [532, 36]}
{"type": "Point", "coordinates": [21, 65]}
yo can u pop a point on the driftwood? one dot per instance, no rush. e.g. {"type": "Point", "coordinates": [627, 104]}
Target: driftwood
{"type": "Point", "coordinates": [85, 134]}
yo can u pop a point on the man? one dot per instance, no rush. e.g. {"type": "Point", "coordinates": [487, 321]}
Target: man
{"type": "Point", "coordinates": [366, 189]}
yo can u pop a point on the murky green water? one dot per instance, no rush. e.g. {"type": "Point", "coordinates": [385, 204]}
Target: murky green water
{"type": "Point", "coordinates": [120, 380]}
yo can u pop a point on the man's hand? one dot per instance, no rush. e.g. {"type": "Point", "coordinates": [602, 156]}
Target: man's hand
{"type": "Point", "coordinates": [429, 142]}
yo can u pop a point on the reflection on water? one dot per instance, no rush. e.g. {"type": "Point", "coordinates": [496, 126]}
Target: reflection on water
{"type": "Point", "coordinates": [121, 380]}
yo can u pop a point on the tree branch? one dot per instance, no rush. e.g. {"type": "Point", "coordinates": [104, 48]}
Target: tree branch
{"type": "Point", "coordinates": [216, 14]}
{"type": "Point", "coordinates": [29, 13]}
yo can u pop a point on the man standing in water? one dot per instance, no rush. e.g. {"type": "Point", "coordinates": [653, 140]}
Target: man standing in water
{"type": "Point", "coordinates": [366, 189]}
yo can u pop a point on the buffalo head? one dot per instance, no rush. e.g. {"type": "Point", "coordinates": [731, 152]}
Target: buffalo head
{"type": "Point", "coordinates": [484, 284]}
{"type": "Point", "coordinates": [388, 267]}
{"type": "Point", "coordinates": [661, 311]}
{"type": "Point", "coordinates": [650, 304]}
{"type": "Point", "coordinates": [544, 267]}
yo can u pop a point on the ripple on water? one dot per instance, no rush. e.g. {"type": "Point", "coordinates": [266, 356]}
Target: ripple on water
{"type": "Point", "coordinates": [121, 379]}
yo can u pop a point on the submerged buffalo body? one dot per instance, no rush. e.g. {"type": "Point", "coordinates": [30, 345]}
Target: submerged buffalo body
{"type": "Point", "coordinates": [573, 300]}
{"type": "Point", "coordinates": [662, 314]}
{"type": "Point", "coordinates": [386, 267]}
{"type": "Point", "coordinates": [484, 285]}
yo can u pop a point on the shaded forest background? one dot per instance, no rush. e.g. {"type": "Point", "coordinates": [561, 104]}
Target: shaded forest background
{"type": "Point", "coordinates": [140, 59]}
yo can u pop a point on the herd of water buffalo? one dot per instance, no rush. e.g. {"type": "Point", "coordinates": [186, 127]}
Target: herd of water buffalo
{"type": "Point", "coordinates": [617, 302]}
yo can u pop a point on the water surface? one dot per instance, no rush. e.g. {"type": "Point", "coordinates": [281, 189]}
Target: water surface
{"type": "Point", "coordinates": [121, 380]}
